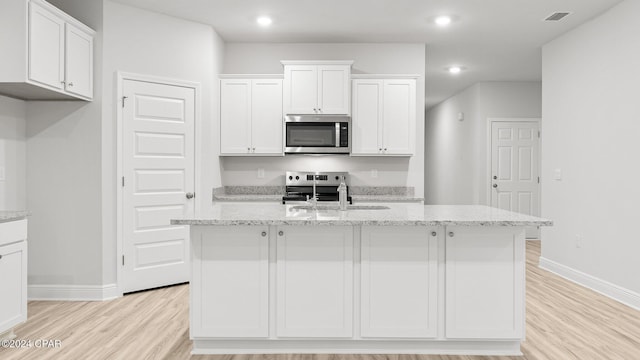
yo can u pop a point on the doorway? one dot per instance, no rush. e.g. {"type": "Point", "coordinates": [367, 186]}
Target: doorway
{"type": "Point", "coordinates": [515, 167]}
{"type": "Point", "coordinates": [157, 183]}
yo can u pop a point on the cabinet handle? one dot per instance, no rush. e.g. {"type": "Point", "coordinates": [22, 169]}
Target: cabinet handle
{"type": "Point", "coordinates": [264, 233]}
{"type": "Point", "coordinates": [280, 232]}
{"type": "Point", "coordinates": [385, 149]}
{"type": "Point", "coordinates": [249, 149]}
{"type": "Point", "coordinates": [380, 149]}
{"type": "Point", "coordinates": [0, 257]}
{"type": "Point", "coordinates": [451, 234]}
{"type": "Point", "coordinates": [70, 84]}
{"type": "Point", "coordinates": [433, 233]}
{"type": "Point", "coordinates": [254, 150]}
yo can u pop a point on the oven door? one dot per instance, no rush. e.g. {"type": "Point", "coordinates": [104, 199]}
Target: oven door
{"type": "Point", "coordinates": [316, 137]}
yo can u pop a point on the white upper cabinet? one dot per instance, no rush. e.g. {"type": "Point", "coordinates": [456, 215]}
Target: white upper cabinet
{"type": "Point", "coordinates": [384, 117]}
{"type": "Point", "coordinates": [317, 87]}
{"type": "Point", "coordinates": [251, 117]}
{"type": "Point", "coordinates": [51, 53]}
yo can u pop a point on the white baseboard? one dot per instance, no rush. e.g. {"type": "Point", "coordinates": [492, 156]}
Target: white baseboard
{"type": "Point", "coordinates": [73, 292]}
{"type": "Point", "coordinates": [603, 287]}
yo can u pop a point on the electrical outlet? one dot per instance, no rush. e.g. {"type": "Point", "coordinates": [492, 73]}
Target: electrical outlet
{"type": "Point", "coordinates": [374, 173]}
{"type": "Point", "coordinates": [579, 241]}
{"type": "Point", "coordinates": [260, 173]}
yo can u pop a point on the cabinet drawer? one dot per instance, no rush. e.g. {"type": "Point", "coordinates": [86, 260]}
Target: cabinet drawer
{"type": "Point", "coordinates": [13, 231]}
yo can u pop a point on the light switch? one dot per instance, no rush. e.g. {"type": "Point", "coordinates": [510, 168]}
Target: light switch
{"type": "Point", "coordinates": [557, 174]}
{"type": "Point", "coordinates": [374, 173]}
{"type": "Point", "coordinates": [260, 173]}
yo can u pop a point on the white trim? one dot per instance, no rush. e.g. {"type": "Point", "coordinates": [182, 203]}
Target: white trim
{"type": "Point", "coordinates": [486, 347]}
{"type": "Point", "coordinates": [250, 76]}
{"type": "Point", "coordinates": [199, 190]}
{"type": "Point", "coordinates": [615, 292]}
{"type": "Point", "coordinates": [316, 62]}
{"type": "Point", "coordinates": [73, 292]}
{"type": "Point", "coordinates": [385, 76]}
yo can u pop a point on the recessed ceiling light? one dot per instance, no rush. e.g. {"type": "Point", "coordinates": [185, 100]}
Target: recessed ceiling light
{"type": "Point", "coordinates": [454, 69]}
{"type": "Point", "coordinates": [443, 20]}
{"type": "Point", "coordinates": [264, 21]}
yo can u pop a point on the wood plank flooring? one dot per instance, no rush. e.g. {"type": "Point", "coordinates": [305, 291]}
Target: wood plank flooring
{"type": "Point", "coordinates": [564, 321]}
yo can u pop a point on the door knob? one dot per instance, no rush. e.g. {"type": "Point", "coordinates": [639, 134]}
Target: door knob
{"type": "Point", "coordinates": [264, 233]}
{"type": "Point", "coordinates": [433, 233]}
{"type": "Point", "coordinates": [495, 185]}
{"type": "Point", "coordinates": [281, 233]}
{"type": "Point", "coordinates": [190, 195]}
{"type": "Point", "coordinates": [495, 177]}
{"type": "Point", "coordinates": [451, 234]}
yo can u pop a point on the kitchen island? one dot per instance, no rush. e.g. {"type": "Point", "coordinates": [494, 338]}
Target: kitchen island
{"type": "Point", "coordinates": [395, 278]}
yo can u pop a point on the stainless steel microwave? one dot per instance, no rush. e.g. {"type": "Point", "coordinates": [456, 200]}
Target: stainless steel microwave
{"type": "Point", "coordinates": [317, 134]}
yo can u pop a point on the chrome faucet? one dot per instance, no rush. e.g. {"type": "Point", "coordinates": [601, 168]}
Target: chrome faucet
{"type": "Point", "coordinates": [314, 200]}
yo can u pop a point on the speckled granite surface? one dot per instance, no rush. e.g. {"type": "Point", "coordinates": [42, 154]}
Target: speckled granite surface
{"type": "Point", "coordinates": [274, 193]}
{"type": "Point", "coordinates": [12, 215]}
{"type": "Point", "coordinates": [397, 214]}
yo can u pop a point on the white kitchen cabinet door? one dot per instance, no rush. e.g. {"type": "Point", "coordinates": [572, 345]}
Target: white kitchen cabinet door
{"type": "Point", "coordinates": [399, 117]}
{"type": "Point", "coordinates": [484, 283]}
{"type": "Point", "coordinates": [333, 89]}
{"type": "Point", "coordinates": [315, 282]}
{"type": "Point", "coordinates": [13, 297]}
{"type": "Point", "coordinates": [367, 117]}
{"type": "Point", "coordinates": [78, 62]}
{"type": "Point", "coordinates": [301, 89]}
{"type": "Point", "coordinates": [266, 117]}
{"type": "Point", "coordinates": [235, 116]}
{"type": "Point", "coordinates": [230, 282]}
{"type": "Point", "coordinates": [399, 273]}
{"type": "Point", "coordinates": [46, 47]}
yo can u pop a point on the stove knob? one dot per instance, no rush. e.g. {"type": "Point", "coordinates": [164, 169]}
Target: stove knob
{"type": "Point", "coordinates": [290, 177]}
{"type": "Point", "coordinates": [297, 177]}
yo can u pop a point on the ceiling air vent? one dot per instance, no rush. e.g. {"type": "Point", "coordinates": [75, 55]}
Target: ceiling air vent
{"type": "Point", "coordinates": [557, 16]}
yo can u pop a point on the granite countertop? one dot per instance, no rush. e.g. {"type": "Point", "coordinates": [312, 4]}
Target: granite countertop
{"type": "Point", "coordinates": [398, 214]}
{"type": "Point", "coordinates": [275, 193]}
{"type": "Point", "coordinates": [6, 215]}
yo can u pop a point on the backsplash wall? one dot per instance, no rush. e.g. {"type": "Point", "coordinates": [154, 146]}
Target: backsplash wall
{"type": "Point", "coordinates": [250, 58]}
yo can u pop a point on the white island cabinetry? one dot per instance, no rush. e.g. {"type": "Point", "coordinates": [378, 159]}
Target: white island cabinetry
{"type": "Point", "coordinates": [409, 279]}
{"type": "Point", "coordinates": [13, 271]}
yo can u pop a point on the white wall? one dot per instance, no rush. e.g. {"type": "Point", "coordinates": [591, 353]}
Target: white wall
{"type": "Point", "coordinates": [590, 131]}
{"type": "Point", "coordinates": [249, 58]}
{"type": "Point", "coordinates": [63, 176]}
{"type": "Point", "coordinates": [455, 159]}
{"type": "Point", "coordinates": [148, 43]}
{"type": "Point", "coordinates": [13, 144]}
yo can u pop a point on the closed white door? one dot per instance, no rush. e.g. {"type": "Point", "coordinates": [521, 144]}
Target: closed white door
{"type": "Point", "coordinates": [333, 89]}
{"type": "Point", "coordinates": [367, 117]}
{"type": "Point", "coordinates": [301, 89]}
{"type": "Point", "coordinates": [158, 169]}
{"type": "Point", "coordinates": [266, 117]}
{"type": "Point", "coordinates": [314, 282]}
{"type": "Point", "coordinates": [515, 160]}
{"type": "Point", "coordinates": [46, 47]}
{"type": "Point", "coordinates": [79, 62]}
{"type": "Point", "coordinates": [235, 116]}
{"type": "Point", "coordinates": [399, 116]}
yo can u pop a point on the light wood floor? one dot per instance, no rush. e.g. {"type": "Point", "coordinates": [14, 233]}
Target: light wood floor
{"type": "Point", "coordinates": [564, 321]}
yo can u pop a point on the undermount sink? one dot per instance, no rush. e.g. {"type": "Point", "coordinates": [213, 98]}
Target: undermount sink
{"type": "Point", "coordinates": [336, 207]}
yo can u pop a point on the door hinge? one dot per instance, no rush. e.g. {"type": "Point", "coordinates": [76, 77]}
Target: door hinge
{"type": "Point", "coordinates": [538, 179]}
{"type": "Point", "coordinates": [123, 181]}
{"type": "Point", "coordinates": [122, 260]}
{"type": "Point", "coordinates": [123, 99]}
{"type": "Point", "coordinates": [539, 134]}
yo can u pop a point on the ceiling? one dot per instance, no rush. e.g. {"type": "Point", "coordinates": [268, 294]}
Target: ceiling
{"type": "Point", "coordinates": [494, 40]}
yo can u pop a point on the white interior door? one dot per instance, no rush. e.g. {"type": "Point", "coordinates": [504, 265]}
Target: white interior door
{"type": "Point", "coordinates": [515, 163]}
{"type": "Point", "coordinates": [158, 169]}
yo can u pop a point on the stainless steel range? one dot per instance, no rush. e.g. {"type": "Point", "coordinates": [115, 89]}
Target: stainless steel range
{"type": "Point", "coordinates": [299, 186]}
